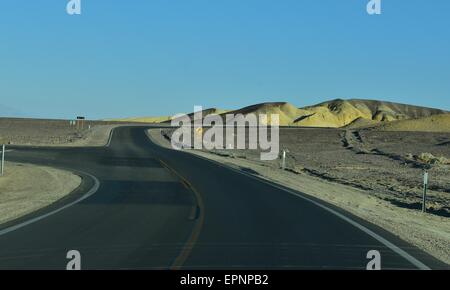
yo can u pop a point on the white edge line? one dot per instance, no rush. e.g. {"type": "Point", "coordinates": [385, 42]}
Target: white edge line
{"type": "Point", "coordinates": [377, 237]}
{"type": "Point", "coordinates": [36, 219]}
{"type": "Point", "coordinates": [110, 137]}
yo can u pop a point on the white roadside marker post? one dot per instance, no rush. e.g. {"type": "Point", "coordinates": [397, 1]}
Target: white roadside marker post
{"type": "Point", "coordinates": [283, 160]}
{"type": "Point", "coordinates": [425, 188]}
{"type": "Point", "coordinates": [3, 160]}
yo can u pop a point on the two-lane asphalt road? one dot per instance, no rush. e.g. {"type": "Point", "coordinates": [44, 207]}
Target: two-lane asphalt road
{"type": "Point", "coordinates": [157, 208]}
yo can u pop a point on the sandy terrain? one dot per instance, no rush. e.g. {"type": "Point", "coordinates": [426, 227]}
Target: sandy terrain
{"type": "Point", "coordinates": [53, 132]}
{"type": "Point", "coordinates": [366, 173]}
{"type": "Point", "coordinates": [26, 188]}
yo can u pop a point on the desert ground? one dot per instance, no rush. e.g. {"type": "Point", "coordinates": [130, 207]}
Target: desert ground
{"type": "Point", "coordinates": [390, 164]}
{"type": "Point", "coordinates": [37, 132]}
{"type": "Point", "coordinates": [25, 188]}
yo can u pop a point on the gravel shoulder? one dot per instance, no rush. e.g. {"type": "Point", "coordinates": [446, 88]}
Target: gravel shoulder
{"type": "Point", "coordinates": [26, 188]}
{"type": "Point", "coordinates": [428, 232]}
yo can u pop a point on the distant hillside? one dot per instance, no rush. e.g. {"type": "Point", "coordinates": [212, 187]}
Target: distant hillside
{"type": "Point", "coordinates": [287, 112]}
{"type": "Point", "coordinates": [341, 113]}
{"type": "Point", "coordinates": [333, 114]}
{"type": "Point", "coordinates": [436, 123]}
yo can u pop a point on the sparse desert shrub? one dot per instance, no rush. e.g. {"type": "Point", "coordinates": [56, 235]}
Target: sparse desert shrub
{"type": "Point", "coordinates": [442, 160]}
{"type": "Point", "coordinates": [425, 157]}
{"type": "Point", "coordinates": [409, 156]}
{"type": "Point", "coordinates": [431, 159]}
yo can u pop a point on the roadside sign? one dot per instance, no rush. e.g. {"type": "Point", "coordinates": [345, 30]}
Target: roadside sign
{"type": "Point", "coordinates": [80, 122]}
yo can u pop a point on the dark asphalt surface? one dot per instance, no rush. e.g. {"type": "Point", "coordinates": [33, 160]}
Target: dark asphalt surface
{"type": "Point", "coordinates": [163, 209]}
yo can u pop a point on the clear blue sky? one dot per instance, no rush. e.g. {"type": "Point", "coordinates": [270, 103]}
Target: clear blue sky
{"type": "Point", "coordinates": [156, 57]}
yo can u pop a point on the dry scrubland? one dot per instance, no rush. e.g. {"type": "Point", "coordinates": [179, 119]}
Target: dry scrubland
{"type": "Point", "coordinates": [53, 132]}
{"type": "Point", "coordinates": [26, 188]}
{"type": "Point", "coordinates": [390, 164]}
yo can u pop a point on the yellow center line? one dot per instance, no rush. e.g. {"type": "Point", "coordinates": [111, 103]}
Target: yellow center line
{"type": "Point", "coordinates": [190, 243]}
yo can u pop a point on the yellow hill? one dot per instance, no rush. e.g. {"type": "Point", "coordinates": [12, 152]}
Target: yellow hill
{"type": "Point", "coordinates": [341, 113]}
{"type": "Point", "coordinates": [204, 113]}
{"type": "Point", "coordinates": [334, 114]}
{"type": "Point", "coordinates": [436, 123]}
{"type": "Point", "coordinates": [287, 112]}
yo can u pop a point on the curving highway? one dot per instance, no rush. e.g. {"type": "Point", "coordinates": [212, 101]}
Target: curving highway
{"type": "Point", "coordinates": [142, 206]}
